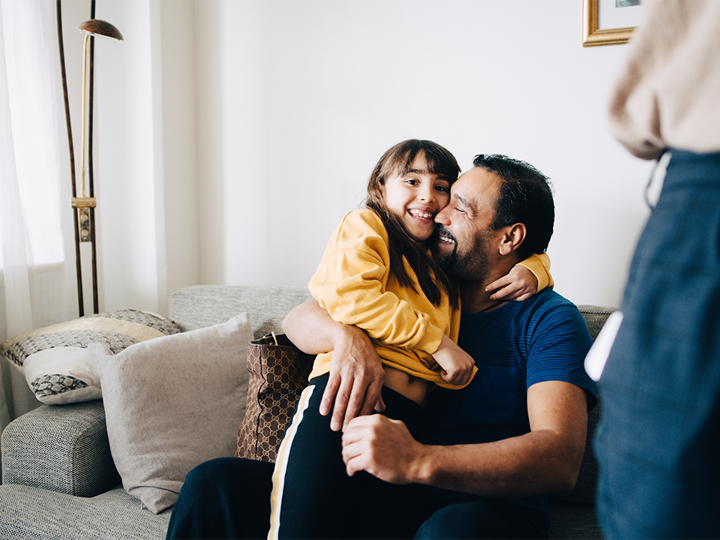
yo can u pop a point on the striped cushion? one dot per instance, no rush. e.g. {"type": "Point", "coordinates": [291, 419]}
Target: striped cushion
{"type": "Point", "coordinates": [55, 359]}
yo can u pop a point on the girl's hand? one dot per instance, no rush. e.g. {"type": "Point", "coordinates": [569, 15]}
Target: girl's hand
{"type": "Point", "coordinates": [519, 284]}
{"type": "Point", "coordinates": [457, 364]}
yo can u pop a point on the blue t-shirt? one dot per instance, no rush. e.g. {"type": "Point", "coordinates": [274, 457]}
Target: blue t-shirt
{"type": "Point", "coordinates": [515, 346]}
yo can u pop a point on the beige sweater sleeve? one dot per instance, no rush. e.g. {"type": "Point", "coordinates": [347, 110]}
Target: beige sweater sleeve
{"type": "Point", "coordinates": [668, 91]}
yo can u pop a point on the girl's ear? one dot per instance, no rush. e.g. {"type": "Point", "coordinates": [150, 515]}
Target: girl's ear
{"type": "Point", "coordinates": [512, 239]}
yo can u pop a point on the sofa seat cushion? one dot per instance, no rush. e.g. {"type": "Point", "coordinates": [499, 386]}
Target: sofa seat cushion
{"type": "Point", "coordinates": [28, 512]}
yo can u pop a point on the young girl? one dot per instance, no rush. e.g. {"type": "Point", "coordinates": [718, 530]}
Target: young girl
{"type": "Point", "coordinates": [377, 273]}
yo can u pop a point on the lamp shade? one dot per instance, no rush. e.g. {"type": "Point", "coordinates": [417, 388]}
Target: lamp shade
{"type": "Point", "coordinates": [100, 28]}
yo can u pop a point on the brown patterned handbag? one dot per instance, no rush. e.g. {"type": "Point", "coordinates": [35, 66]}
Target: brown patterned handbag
{"type": "Point", "coordinates": [278, 374]}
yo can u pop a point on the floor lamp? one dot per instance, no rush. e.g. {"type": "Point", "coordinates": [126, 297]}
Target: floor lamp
{"type": "Point", "coordinates": [84, 205]}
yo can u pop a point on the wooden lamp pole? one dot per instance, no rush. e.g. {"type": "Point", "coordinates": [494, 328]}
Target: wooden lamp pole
{"type": "Point", "coordinates": [84, 205]}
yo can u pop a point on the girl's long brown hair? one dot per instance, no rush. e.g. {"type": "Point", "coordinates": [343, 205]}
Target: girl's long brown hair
{"type": "Point", "coordinates": [397, 161]}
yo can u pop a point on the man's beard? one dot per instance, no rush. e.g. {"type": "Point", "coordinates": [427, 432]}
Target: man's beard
{"type": "Point", "coordinates": [469, 266]}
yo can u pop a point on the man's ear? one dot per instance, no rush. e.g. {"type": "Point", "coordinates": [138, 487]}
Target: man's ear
{"type": "Point", "coordinates": [512, 239]}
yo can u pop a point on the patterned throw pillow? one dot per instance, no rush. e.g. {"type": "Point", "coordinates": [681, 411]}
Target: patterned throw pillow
{"type": "Point", "coordinates": [56, 361]}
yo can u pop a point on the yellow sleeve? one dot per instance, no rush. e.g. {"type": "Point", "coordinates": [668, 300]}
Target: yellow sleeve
{"type": "Point", "coordinates": [351, 284]}
{"type": "Point", "coordinates": [539, 264]}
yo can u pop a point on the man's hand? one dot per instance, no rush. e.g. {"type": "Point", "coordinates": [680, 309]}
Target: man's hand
{"type": "Point", "coordinates": [356, 372]}
{"type": "Point", "coordinates": [382, 447]}
{"type": "Point", "coordinates": [356, 379]}
{"type": "Point", "coordinates": [519, 284]}
{"type": "Point", "coordinates": [545, 460]}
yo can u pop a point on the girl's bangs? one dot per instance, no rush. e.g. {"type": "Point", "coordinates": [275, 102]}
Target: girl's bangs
{"type": "Point", "coordinates": [438, 162]}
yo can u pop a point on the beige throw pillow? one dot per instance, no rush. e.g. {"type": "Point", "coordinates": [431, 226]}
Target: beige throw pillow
{"type": "Point", "coordinates": [172, 403]}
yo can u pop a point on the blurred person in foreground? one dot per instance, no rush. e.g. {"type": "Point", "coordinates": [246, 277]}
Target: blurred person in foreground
{"type": "Point", "coordinates": [658, 441]}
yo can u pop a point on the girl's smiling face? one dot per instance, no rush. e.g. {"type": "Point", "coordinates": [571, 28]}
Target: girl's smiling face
{"type": "Point", "coordinates": [416, 196]}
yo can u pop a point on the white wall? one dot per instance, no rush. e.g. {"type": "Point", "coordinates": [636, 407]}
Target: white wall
{"type": "Point", "coordinates": [298, 99]}
{"type": "Point", "coordinates": [275, 111]}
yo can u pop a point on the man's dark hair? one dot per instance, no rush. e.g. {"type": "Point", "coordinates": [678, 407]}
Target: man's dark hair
{"type": "Point", "coordinates": [525, 197]}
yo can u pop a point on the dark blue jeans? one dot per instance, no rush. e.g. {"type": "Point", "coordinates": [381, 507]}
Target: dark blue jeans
{"type": "Point", "coordinates": [472, 517]}
{"type": "Point", "coordinates": [222, 499]}
{"type": "Point", "coordinates": [658, 441]}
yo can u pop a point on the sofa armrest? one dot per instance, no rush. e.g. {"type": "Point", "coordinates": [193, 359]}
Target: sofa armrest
{"type": "Point", "coordinates": [61, 448]}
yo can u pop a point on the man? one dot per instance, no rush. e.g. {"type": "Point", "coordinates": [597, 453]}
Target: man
{"type": "Point", "coordinates": [488, 452]}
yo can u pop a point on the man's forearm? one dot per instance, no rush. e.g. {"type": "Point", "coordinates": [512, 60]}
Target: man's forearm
{"type": "Point", "coordinates": [545, 460]}
{"type": "Point", "coordinates": [516, 467]}
{"type": "Point", "coordinates": [311, 328]}
{"type": "Point", "coordinates": [356, 372]}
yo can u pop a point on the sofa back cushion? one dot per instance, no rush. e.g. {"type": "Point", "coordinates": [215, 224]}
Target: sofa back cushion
{"type": "Point", "coordinates": [206, 305]}
{"type": "Point", "coordinates": [584, 491]}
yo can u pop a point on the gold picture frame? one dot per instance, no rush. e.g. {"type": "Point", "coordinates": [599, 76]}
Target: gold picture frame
{"type": "Point", "coordinates": [593, 36]}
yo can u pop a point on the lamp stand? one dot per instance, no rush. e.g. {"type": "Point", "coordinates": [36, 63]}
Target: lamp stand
{"type": "Point", "coordinates": [71, 147]}
{"type": "Point", "coordinates": [84, 205]}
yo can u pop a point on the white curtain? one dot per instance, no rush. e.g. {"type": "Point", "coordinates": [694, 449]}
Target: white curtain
{"type": "Point", "coordinates": [37, 258]}
{"type": "Point", "coordinates": [32, 258]}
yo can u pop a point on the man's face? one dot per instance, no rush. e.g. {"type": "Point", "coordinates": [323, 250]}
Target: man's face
{"type": "Point", "coordinates": [465, 239]}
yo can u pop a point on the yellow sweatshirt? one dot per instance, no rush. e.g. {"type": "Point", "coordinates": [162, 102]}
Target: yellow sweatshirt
{"type": "Point", "coordinates": [352, 283]}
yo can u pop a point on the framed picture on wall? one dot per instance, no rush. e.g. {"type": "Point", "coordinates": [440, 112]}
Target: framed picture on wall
{"type": "Point", "coordinates": [609, 22]}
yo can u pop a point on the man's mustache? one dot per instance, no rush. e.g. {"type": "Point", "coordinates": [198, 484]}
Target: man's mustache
{"type": "Point", "coordinates": [441, 231]}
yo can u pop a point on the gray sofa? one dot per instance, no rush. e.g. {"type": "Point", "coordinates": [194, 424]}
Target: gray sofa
{"type": "Point", "coordinates": [59, 480]}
